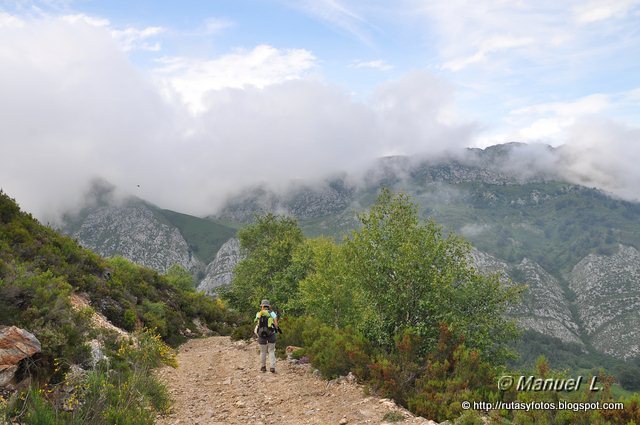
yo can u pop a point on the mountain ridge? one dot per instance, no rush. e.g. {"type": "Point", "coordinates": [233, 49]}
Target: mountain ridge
{"type": "Point", "coordinates": [507, 200]}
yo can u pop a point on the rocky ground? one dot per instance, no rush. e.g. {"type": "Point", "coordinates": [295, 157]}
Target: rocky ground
{"type": "Point", "coordinates": [218, 382]}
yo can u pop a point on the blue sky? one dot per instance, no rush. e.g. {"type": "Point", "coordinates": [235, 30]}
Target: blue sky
{"type": "Point", "coordinates": [225, 79]}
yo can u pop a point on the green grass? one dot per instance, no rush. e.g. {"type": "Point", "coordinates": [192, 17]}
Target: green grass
{"type": "Point", "coordinates": [205, 237]}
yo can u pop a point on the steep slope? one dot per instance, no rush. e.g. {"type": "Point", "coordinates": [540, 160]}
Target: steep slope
{"type": "Point", "coordinates": [608, 300]}
{"type": "Point", "coordinates": [545, 308]}
{"type": "Point", "coordinates": [143, 233]}
{"type": "Point", "coordinates": [78, 307]}
{"type": "Point", "coordinates": [41, 269]}
{"type": "Point", "coordinates": [134, 231]}
{"type": "Point", "coordinates": [220, 270]}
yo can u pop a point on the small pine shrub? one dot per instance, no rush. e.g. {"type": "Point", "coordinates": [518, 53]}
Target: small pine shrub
{"type": "Point", "coordinates": [394, 375]}
{"type": "Point", "coordinates": [629, 415]}
{"type": "Point", "coordinates": [394, 417]}
{"type": "Point", "coordinates": [126, 392]}
{"type": "Point", "coordinates": [130, 319]}
{"type": "Point", "coordinates": [453, 374]}
{"type": "Point", "coordinates": [470, 417]}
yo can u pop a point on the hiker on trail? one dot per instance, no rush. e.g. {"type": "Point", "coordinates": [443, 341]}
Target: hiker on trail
{"type": "Point", "coordinates": [266, 327]}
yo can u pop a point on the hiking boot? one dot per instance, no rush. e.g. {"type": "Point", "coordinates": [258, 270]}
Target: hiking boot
{"type": "Point", "coordinates": [263, 369]}
{"type": "Point", "coordinates": [273, 370]}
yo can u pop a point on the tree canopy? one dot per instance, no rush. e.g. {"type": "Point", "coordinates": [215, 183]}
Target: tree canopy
{"type": "Point", "coordinates": [268, 269]}
{"type": "Point", "coordinates": [414, 277]}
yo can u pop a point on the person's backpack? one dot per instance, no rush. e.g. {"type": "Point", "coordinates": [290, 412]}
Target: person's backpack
{"type": "Point", "coordinates": [264, 330]}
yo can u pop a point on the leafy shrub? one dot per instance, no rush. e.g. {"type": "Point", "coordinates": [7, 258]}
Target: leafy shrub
{"type": "Point", "coordinates": [411, 275]}
{"type": "Point", "coordinates": [40, 303]}
{"type": "Point", "coordinates": [269, 267]}
{"type": "Point", "coordinates": [336, 352]}
{"type": "Point", "coordinates": [299, 353]}
{"type": "Point", "coordinates": [130, 319]}
{"type": "Point", "coordinates": [293, 329]}
{"type": "Point", "coordinates": [244, 332]}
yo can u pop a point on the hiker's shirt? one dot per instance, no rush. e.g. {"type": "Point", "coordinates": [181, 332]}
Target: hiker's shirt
{"type": "Point", "coordinates": [271, 339]}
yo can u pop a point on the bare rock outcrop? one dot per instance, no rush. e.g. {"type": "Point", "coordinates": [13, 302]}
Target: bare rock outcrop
{"type": "Point", "coordinates": [220, 270]}
{"type": "Point", "coordinates": [16, 345]}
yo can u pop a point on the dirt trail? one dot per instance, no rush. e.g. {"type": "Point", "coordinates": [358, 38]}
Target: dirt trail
{"type": "Point", "coordinates": [218, 382]}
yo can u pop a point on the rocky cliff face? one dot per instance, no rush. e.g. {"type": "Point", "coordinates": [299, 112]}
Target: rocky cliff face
{"type": "Point", "coordinates": [544, 307]}
{"type": "Point", "coordinates": [301, 201]}
{"type": "Point", "coordinates": [220, 270]}
{"type": "Point", "coordinates": [135, 232]}
{"type": "Point", "coordinates": [607, 292]}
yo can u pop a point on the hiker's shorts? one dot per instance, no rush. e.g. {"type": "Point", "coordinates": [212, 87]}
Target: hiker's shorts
{"type": "Point", "coordinates": [271, 339]}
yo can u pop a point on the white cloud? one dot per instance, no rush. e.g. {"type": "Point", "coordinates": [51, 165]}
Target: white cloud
{"type": "Point", "coordinates": [74, 108]}
{"type": "Point", "coordinates": [193, 78]}
{"type": "Point", "coordinates": [548, 122]}
{"type": "Point", "coordinates": [86, 19]}
{"type": "Point", "coordinates": [129, 38]}
{"type": "Point", "coordinates": [216, 25]}
{"type": "Point", "coordinates": [135, 38]}
{"type": "Point", "coordinates": [416, 115]}
{"type": "Point", "coordinates": [373, 64]}
{"type": "Point", "coordinates": [633, 95]}
{"type": "Point", "coordinates": [529, 39]}
{"type": "Point", "coordinates": [485, 48]}
{"type": "Point", "coordinates": [7, 21]}
{"type": "Point", "coordinates": [601, 10]}
{"type": "Point", "coordinates": [591, 104]}
{"type": "Point", "coordinates": [473, 32]}
{"type": "Point", "coordinates": [605, 154]}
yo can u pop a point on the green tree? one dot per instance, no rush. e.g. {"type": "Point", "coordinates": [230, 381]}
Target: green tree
{"type": "Point", "coordinates": [411, 276]}
{"type": "Point", "coordinates": [268, 269]}
{"type": "Point", "coordinates": [180, 278]}
{"type": "Point", "coordinates": [328, 291]}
